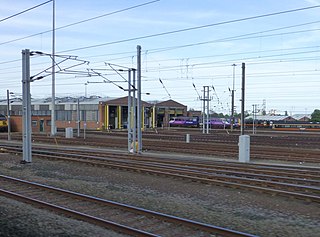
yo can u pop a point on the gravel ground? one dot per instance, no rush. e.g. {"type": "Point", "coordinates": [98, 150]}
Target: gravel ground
{"type": "Point", "coordinates": [241, 210]}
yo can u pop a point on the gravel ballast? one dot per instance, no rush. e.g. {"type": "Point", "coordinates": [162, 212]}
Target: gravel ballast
{"type": "Point", "coordinates": [241, 210]}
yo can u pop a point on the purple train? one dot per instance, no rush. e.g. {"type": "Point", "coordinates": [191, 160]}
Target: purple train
{"type": "Point", "coordinates": [195, 122]}
{"type": "Point", "coordinates": [218, 123]}
{"type": "Point", "coordinates": [184, 122]}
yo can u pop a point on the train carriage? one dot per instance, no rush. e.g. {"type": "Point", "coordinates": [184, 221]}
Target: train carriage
{"type": "Point", "coordinates": [214, 123]}
{"type": "Point", "coordinates": [296, 126]}
{"type": "Point", "coordinates": [184, 122]}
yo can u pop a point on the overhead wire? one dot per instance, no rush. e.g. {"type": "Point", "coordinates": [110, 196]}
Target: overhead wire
{"type": "Point", "coordinates": [24, 11]}
{"type": "Point", "coordinates": [162, 82]}
{"type": "Point", "coordinates": [79, 22]}
{"type": "Point", "coordinates": [239, 37]}
{"type": "Point", "coordinates": [192, 28]}
{"type": "Point", "coordinates": [231, 38]}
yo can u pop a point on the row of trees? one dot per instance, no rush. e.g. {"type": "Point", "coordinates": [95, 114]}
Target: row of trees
{"type": "Point", "coordinates": [315, 116]}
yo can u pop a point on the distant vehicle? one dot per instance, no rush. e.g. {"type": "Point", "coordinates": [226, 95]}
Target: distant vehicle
{"type": "Point", "coordinates": [218, 123]}
{"type": "Point", "coordinates": [296, 126]}
{"type": "Point", "coordinates": [3, 123]}
{"type": "Point", "coordinates": [214, 123]}
{"type": "Point", "coordinates": [184, 122]}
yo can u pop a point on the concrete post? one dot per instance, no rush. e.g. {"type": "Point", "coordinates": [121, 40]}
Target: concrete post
{"type": "Point", "coordinates": [244, 148]}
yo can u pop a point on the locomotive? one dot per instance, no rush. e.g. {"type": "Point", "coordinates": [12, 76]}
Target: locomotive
{"type": "Point", "coordinates": [184, 122]}
{"type": "Point", "coordinates": [216, 123]}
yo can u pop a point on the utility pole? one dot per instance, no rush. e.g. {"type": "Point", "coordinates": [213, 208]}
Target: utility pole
{"type": "Point", "coordinates": [8, 115]}
{"type": "Point", "coordinates": [134, 105]}
{"type": "Point", "coordinates": [206, 98]}
{"type": "Point", "coordinates": [244, 140]}
{"type": "Point", "coordinates": [203, 111]}
{"type": "Point", "coordinates": [129, 112]}
{"type": "Point", "coordinates": [253, 109]}
{"type": "Point", "coordinates": [53, 102]}
{"type": "Point", "coordinates": [26, 107]}
{"type": "Point", "coordinates": [139, 99]}
{"type": "Point", "coordinates": [78, 117]}
{"type": "Point", "coordinates": [254, 117]}
{"type": "Point", "coordinates": [242, 97]}
{"type": "Point", "coordinates": [232, 98]}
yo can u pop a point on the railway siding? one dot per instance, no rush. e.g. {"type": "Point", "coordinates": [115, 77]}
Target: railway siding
{"type": "Point", "coordinates": [120, 217]}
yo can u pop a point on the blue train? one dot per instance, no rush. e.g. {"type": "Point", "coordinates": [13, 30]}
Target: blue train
{"type": "Point", "coordinates": [215, 123]}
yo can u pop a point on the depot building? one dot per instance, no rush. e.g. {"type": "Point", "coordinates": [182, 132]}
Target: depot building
{"type": "Point", "coordinates": [93, 113]}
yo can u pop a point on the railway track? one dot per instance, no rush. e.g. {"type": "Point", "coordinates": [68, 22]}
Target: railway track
{"type": "Point", "coordinates": [310, 141]}
{"type": "Point", "coordinates": [301, 183]}
{"type": "Point", "coordinates": [276, 147]}
{"type": "Point", "coordinates": [123, 218]}
{"type": "Point", "coordinates": [226, 150]}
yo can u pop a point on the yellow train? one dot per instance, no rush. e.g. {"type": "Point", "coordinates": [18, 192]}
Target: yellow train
{"type": "Point", "coordinates": [3, 123]}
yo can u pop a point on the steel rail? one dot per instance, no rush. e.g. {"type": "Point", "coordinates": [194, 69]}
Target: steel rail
{"type": "Point", "coordinates": [206, 172]}
{"type": "Point", "coordinates": [238, 182]}
{"type": "Point", "coordinates": [257, 152]}
{"type": "Point", "coordinates": [110, 224]}
{"type": "Point", "coordinates": [301, 175]}
{"type": "Point", "coordinates": [276, 170]}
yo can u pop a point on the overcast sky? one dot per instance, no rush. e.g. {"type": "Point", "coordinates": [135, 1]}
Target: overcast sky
{"type": "Point", "coordinates": [187, 44]}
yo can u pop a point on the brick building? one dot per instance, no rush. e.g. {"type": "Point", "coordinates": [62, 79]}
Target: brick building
{"type": "Point", "coordinates": [94, 113]}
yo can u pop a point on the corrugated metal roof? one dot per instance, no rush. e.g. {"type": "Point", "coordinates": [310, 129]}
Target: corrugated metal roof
{"type": "Point", "coordinates": [301, 116]}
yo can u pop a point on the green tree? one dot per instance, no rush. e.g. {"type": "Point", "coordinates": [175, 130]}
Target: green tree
{"type": "Point", "coordinates": [315, 116]}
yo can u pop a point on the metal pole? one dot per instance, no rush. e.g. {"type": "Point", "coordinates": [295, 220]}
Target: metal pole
{"type": "Point", "coordinates": [84, 124]}
{"type": "Point", "coordinates": [129, 112]}
{"type": "Point", "coordinates": [8, 115]}
{"type": "Point", "coordinates": [252, 119]}
{"type": "Point", "coordinates": [242, 97]}
{"type": "Point", "coordinates": [204, 111]}
{"type": "Point", "coordinates": [232, 98]}
{"type": "Point", "coordinates": [26, 107]}
{"type": "Point", "coordinates": [207, 109]}
{"type": "Point", "coordinates": [134, 112]}
{"type": "Point", "coordinates": [78, 115]}
{"type": "Point", "coordinates": [53, 102]}
{"type": "Point", "coordinates": [139, 99]}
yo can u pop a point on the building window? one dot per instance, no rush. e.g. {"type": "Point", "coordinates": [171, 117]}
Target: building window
{"type": "Point", "coordinates": [34, 123]}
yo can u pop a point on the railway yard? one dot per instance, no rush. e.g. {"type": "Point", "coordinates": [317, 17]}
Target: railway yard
{"type": "Point", "coordinates": [94, 187]}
